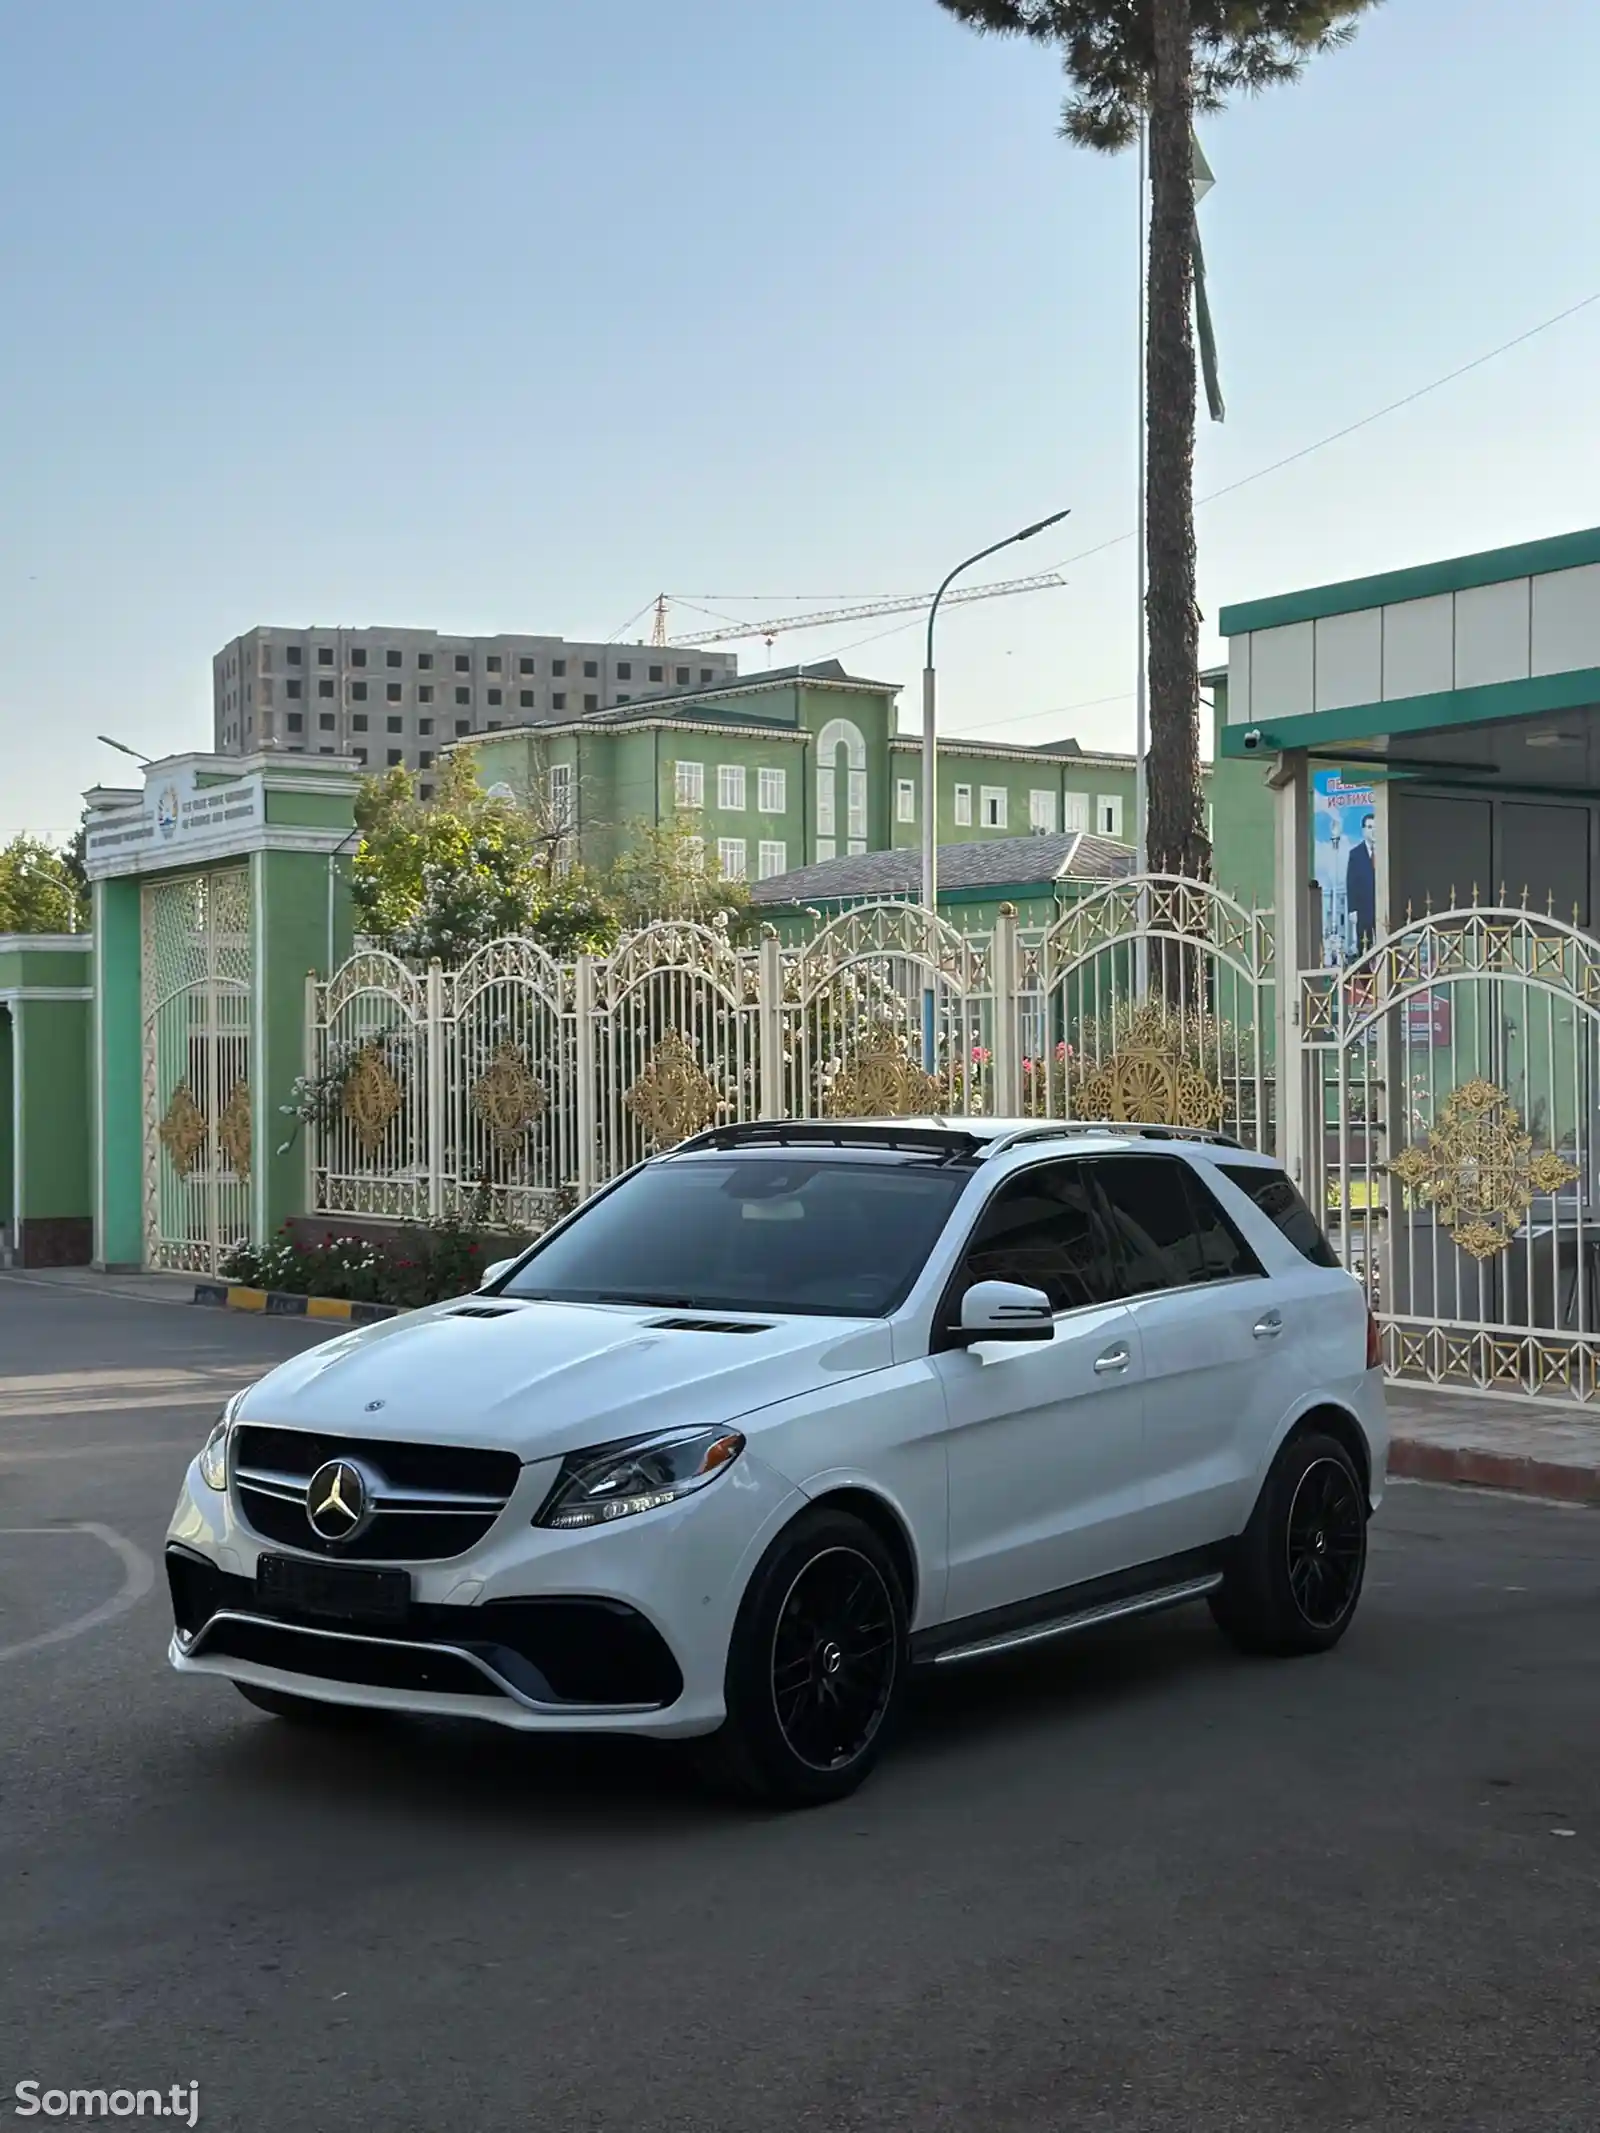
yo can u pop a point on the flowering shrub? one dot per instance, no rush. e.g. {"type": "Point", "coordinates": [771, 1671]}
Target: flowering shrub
{"type": "Point", "coordinates": [446, 1261]}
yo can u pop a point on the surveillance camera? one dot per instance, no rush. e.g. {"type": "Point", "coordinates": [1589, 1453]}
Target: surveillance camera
{"type": "Point", "coordinates": [1252, 739]}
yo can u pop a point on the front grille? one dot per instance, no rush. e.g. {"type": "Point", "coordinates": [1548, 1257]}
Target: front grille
{"type": "Point", "coordinates": [434, 1500]}
{"type": "Point", "coordinates": [557, 1651]}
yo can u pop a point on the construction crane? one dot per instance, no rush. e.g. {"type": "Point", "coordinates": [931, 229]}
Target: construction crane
{"type": "Point", "coordinates": [1005, 588]}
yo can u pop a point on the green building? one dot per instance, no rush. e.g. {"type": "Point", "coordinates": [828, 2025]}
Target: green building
{"type": "Point", "coordinates": [1037, 876]}
{"type": "Point", "coordinates": [45, 996]}
{"type": "Point", "coordinates": [795, 767]}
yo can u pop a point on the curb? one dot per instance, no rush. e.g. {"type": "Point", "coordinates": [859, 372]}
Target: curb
{"type": "Point", "coordinates": [1415, 1459]}
{"type": "Point", "coordinates": [278, 1303]}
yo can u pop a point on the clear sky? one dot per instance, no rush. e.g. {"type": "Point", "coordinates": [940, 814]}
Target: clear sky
{"type": "Point", "coordinates": [509, 314]}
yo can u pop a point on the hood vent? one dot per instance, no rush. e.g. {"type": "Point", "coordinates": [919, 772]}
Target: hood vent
{"type": "Point", "coordinates": [485, 1311]}
{"type": "Point", "coordinates": [704, 1325]}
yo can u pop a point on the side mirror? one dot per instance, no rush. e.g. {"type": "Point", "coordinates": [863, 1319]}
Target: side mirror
{"type": "Point", "coordinates": [493, 1273]}
{"type": "Point", "coordinates": [1003, 1311]}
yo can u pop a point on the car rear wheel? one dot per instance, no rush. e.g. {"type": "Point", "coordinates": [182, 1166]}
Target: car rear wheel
{"type": "Point", "coordinates": [305, 1710]}
{"type": "Point", "coordinates": [816, 1665]}
{"type": "Point", "coordinates": [1296, 1572]}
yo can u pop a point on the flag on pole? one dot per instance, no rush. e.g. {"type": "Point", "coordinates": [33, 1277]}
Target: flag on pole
{"type": "Point", "coordinates": [1202, 182]}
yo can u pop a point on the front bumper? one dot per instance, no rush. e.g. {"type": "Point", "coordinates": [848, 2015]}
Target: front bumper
{"type": "Point", "coordinates": [620, 1629]}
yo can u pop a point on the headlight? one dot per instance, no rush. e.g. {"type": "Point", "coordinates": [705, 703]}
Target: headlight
{"type": "Point", "coordinates": [214, 1452]}
{"type": "Point", "coordinates": [596, 1488]}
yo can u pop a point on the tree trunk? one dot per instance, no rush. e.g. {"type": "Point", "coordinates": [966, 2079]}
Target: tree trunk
{"type": "Point", "coordinates": [1177, 838]}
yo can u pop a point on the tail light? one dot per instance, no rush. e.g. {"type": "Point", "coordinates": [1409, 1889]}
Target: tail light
{"type": "Point", "coordinates": [1374, 1344]}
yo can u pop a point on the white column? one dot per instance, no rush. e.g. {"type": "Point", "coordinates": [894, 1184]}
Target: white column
{"type": "Point", "coordinates": [769, 1024]}
{"type": "Point", "coordinates": [1291, 791]}
{"type": "Point", "coordinates": [587, 1092]}
{"type": "Point", "coordinates": [434, 1051]}
{"type": "Point", "coordinates": [1007, 1060]}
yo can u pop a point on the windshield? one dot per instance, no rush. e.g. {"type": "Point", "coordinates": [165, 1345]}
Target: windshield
{"type": "Point", "coordinates": [752, 1234]}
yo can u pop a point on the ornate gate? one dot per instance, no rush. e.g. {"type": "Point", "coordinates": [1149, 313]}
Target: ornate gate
{"type": "Point", "coordinates": [1451, 1082]}
{"type": "Point", "coordinates": [196, 987]}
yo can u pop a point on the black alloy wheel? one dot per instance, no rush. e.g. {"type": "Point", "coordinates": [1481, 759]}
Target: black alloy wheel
{"type": "Point", "coordinates": [1326, 1543]}
{"type": "Point", "coordinates": [834, 1659]}
{"type": "Point", "coordinates": [1293, 1577]}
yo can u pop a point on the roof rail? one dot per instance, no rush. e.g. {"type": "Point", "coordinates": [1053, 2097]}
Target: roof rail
{"type": "Point", "coordinates": [938, 1139]}
{"type": "Point", "coordinates": [1064, 1128]}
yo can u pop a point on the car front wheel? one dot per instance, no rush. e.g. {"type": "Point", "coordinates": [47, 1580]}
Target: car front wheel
{"type": "Point", "coordinates": [816, 1665]}
{"type": "Point", "coordinates": [1296, 1571]}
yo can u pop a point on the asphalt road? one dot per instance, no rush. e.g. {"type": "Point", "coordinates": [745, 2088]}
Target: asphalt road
{"type": "Point", "coordinates": [1136, 1882]}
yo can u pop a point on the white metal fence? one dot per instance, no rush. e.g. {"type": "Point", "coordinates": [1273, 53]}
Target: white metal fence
{"type": "Point", "coordinates": [515, 1082]}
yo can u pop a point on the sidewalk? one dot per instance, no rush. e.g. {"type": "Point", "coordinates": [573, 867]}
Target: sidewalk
{"type": "Point", "coordinates": [1534, 1449]}
{"type": "Point", "coordinates": [148, 1288]}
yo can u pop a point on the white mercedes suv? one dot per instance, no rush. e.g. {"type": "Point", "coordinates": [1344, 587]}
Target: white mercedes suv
{"type": "Point", "coordinates": [788, 1412]}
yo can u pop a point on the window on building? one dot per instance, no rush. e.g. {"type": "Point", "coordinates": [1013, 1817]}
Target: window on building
{"type": "Point", "coordinates": [395, 755]}
{"type": "Point", "coordinates": [392, 692]}
{"type": "Point", "coordinates": [771, 791]}
{"type": "Point", "coordinates": [493, 662]}
{"type": "Point", "coordinates": [524, 666]}
{"type": "Point", "coordinates": [395, 725]}
{"type": "Point", "coordinates": [424, 692]}
{"type": "Point", "coordinates": [326, 721]}
{"type": "Point", "coordinates": [360, 754]}
{"type": "Point", "coordinates": [266, 692]}
{"type": "Point", "coordinates": [992, 807]}
{"type": "Point", "coordinates": [656, 674]}
{"type": "Point", "coordinates": [561, 812]}
{"type": "Point", "coordinates": [463, 696]}
{"type": "Point", "coordinates": [623, 697]}
{"type": "Point", "coordinates": [292, 685]}
{"type": "Point", "coordinates": [424, 725]}
{"type": "Point", "coordinates": [963, 806]}
{"type": "Point", "coordinates": [681, 676]}
{"type": "Point", "coordinates": [426, 791]}
{"type": "Point", "coordinates": [694, 853]}
{"type": "Point", "coordinates": [391, 659]}
{"type": "Point", "coordinates": [1042, 811]}
{"type": "Point", "coordinates": [558, 700]}
{"type": "Point", "coordinates": [425, 759]}
{"type": "Point", "coordinates": [325, 685]}
{"type": "Point", "coordinates": [1075, 811]}
{"type": "Point", "coordinates": [324, 655]}
{"type": "Point", "coordinates": [463, 663]}
{"type": "Point", "coordinates": [905, 799]}
{"type": "Point", "coordinates": [857, 822]}
{"type": "Point", "coordinates": [591, 667]}
{"type": "Point", "coordinates": [707, 674]}
{"type": "Point", "coordinates": [525, 699]}
{"type": "Point", "coordinates": [358, 722]}
{"type": "Point", "coordinates": [1108, 813]}
{"type": "Point", "coordinates": [558, 666]}
{"type": "Point", "coordinates": [772, 857]}
{"type": "Point", "coordinates": [358, 692]}
{"type": "Point", "coordinates": [296, 722]}
{"type": "Point", "coordinates": [492, 726]}
{"type": "Point", "coordinates": [325, 751]}
{"type": "Point", "coordinates": [689, 784]}
{"type": "Point", "coordinates": [425, 661]}
{"type": "Point", "coordinates": [358, 656]}
{"type": "Point", "coordinates": [591, 703]}
{"type": "Point", "coordinates": [730, 785]}
{"type": "Point", "coordinates": [247, 692]}
{"type": "Point", "coordinates": [497, 696]}
{"type": "Point", "coordinates": [291, 652]}
{"type": "Point", "coordinates": [463, 725]}
{"type": "Point", "coordinates": [624, 670]}
{"type": "Point", "coordinates": [730, 857]}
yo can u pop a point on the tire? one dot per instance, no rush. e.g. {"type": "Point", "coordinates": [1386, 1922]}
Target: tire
{"type": "Point", "coordinates": [816, 1666]}
{"type": "Point", "coordinates": [1294, 1578]}
{"type": "Point", "coordinates": [305, 1710]}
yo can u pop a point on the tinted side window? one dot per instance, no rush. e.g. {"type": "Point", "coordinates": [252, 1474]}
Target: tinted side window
{"type": "Point", "coordinates": [1170, 1232]}
{"type": "Point", "coordinates": [1278, 1200]}
{"type": "Point", "coordinates": [1046, 1230]}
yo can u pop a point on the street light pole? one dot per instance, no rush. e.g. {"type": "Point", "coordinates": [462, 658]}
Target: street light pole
{"type": "Point", "coordinates": [122, 748]}
{"type": "Point", "coordinates": [930, 756]}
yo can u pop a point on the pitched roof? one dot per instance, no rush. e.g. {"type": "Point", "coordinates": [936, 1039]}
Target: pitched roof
{"type": "Point", "coordinates": [998, 862]}
{"type": "Point", "coordinates": [829, 672]}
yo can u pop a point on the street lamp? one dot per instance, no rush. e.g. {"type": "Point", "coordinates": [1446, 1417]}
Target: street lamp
{"type": "Point", "coordinates": [930, 756]}
{"type": "Point", "coordinates": [122, 748]}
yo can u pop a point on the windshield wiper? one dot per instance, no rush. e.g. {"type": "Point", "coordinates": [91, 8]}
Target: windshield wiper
{"type": "Point", "coordinates": [647, 1297]}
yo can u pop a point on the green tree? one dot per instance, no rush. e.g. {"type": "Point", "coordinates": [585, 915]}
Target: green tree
{"type": "Point", "coordinates": [440, 877]}
{"type": "Point", "coordinates": [663, 871]}
{"type": "Point", "coordinates": [39, 892]}
{"type": "Point", "coordinates": [1165, 61]}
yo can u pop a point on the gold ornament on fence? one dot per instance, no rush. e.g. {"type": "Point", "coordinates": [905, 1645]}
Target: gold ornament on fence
{"type": "Point", "coordinates": [183, 1130]}
{"type": "Point", "coordinates": [673, 1097]}
{"type": "Point", "coordinates": [1147, 1081]}
{"type": "Point", "coordinates": [883, 1082]}
{"type": "Point", "coordinates": [507, 1097]}
{"type": "Point", "coordinates": [233, 1129]}
{"type": "Point", "coordinates": [372, 1097]}
{"type": "Point", "coordinates": [1477, 1169]}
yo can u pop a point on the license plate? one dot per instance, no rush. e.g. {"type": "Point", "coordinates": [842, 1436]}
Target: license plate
{"type": "Point", "coordinates": [343, 1592]}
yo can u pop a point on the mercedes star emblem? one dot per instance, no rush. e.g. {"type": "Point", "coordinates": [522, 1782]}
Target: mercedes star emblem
{"type": "Point", "coordinates": [338, 1501]}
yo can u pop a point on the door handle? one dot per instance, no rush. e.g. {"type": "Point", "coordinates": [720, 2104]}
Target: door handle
{"type": "Point", "coordinates": [1113, 1359]}
{"type": "Point", "coordinates": [1268, 1328]}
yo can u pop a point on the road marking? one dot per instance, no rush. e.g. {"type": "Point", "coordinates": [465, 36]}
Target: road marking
{"type": "Point", "coordinates": [138, 1576]}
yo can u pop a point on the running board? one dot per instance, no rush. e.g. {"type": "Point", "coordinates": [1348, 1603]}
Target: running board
{"type": "Point", "coordinates": [1138, 1603]}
